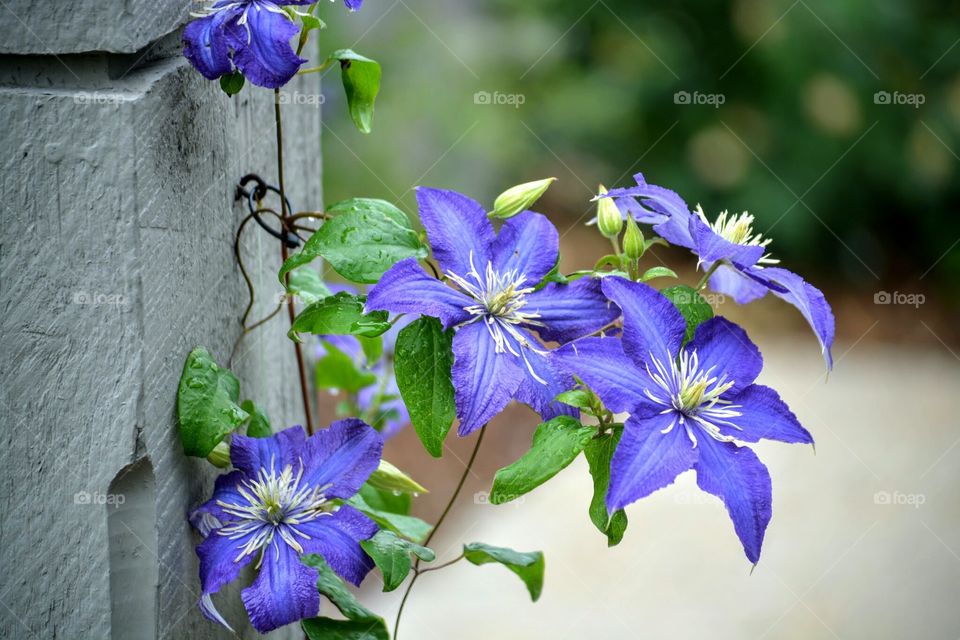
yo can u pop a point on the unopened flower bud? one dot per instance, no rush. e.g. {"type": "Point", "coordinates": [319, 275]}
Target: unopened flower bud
{"type": "Point", "coordinates": [220, 456]}
{"type": "Point", "coordinates": [519, 198]}
{"type": "Point", "coordinates": [609, 220]}
{"type": "Point", "coordinates": [633, 240]}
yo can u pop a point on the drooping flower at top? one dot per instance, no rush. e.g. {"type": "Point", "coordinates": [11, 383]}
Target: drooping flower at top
{"type": "Point", "coordinates": [746, 272]}
{"type": "Point", "coordinates": [253, 35]}
{"type": "Point", "coordinates": [495, 306]}
{"type": "Point", "coordinates": [688, 407]}
{"type": "Point", "coordinates": [276, 506]}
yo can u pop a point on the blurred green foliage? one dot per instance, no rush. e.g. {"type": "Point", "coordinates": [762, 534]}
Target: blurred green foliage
{"type": "Point", "coordinates": [846, 184]}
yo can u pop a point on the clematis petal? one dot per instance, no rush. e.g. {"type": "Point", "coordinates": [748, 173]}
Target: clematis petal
{"type": "Point", "coordinates": [734, 283]}
{"type": "Point", "coordinates": [211, 515]}
{"type": "Point", "coordinates": [661, 207]}
{"type": "Point", "coordinates": [652, 326]}
{"type": "Point", "coordinates": [262, 48]}
{"type": "Point", "coordinates": [543, 381]}
{"type": "Point", "coordinates": [765, 415]}
{"type": "Point", "coordinates": [406, 288]}
{"type": "Point", "coordinates": [484, 380]}
{"type": "Point", "coordinates": [342, 456]}
{"type": "Point", "coordinates": [205, 44]}
{"type": "Point", "coordinates": [724, 347]}
{"type": "Point", "coordinates": [606, 369]}
{"type": "Point", "coordinates": [736, 476]}
{"type": "Point", "coordinates": [457, 227]}
{"type": "Point", "coordinates": [570, 311]}
{"type": "Point", "coordinates": [647, 459]}
{"type": "Point", "coordinates": [250, 455]}
{"type": "Point", "coordinates": [353, 5]}
{"type": "Point", "coordinates": [529, 244]}
{"type": "Point", "coordinates": [284, 591]}
{"type": "Point", "coordinates": [218, 567]}
{"type": "Point", "coordinates": [711, 246]}
{"type": "Point", "coordinates": [337, 538]}
{"type": "Point", "coordinates": [811, 303]}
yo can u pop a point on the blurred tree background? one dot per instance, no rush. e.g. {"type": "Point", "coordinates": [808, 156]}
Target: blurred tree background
{"type": "Point", "coordinates": [838, 127]}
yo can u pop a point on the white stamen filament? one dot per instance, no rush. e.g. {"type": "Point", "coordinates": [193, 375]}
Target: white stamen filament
{"type": "Point", "coordinates": [500, 299]}
{"type": "Point", "coordinates": [738, 229]}
{"type": "Point", "coordinates": [693, 396]}
{"type": "Point", "coordinates": [275, 504]}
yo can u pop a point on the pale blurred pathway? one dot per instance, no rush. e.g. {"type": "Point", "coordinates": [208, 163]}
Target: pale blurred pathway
{"type": "Point", "coordinates": [846, 555]}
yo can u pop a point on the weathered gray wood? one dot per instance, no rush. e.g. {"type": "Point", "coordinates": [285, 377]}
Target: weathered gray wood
{"type": "Point", "coordinates": [76, 26]}
{"type": "Point", "coordinates": [116, 229]}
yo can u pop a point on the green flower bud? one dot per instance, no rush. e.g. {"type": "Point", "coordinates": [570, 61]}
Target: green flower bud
{"type": "Point", "coordinates": [609, 220]}
{"type": "Point", "coordinates": [519, 198]}
{"type": "Point", "coordinates": [220, 456]}
{"type": "Point", "coordinates": [633, 240]}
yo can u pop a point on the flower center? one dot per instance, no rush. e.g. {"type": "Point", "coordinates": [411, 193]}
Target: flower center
{"type": "Point", "coordinates": [693, 395]}
{"type": "Point", "coordinates": [501, 298]}
{"type": "Point", "coordinates": [738, 229]}
{"type": "Point", "coordinates": [276, 504]}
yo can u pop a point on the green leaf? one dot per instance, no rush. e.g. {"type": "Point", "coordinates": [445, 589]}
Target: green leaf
{"type": "Point", "coordinates": [691, 304]}
{"type": "Point", "coordinates": [386, 500]}
{"type": "Point", "coordinates": [422, 363]}
{"type": "Point", "coordinates": [392, 555]}
{"type": "Point", "coordinates": [579, 398]}
{"type": "Point", "coordinates": [409, 527]}
{"type": "Point", "coordinates": [337, 370]}
{"type": "Point", "coordinates": [307, 285]}
{"type": "Point", "coordinates": [363, 239]}
{"type": "Point", "coordinates": [372, 348]}
{"type": "Point", "coordinates": [361, 82]}
{"type": "Point", "coordinates": [658, 272]}
{"type": "Point", "coordinates": [373, 325]}
{"type": "Point", "coordinates": [329, 629]}
{"type": "Point", "coordinates": [361, 623]}
{"type": "Point", "coordinates": [555, 445]}
{"type": "Point", "coordinates": [609, 260]}
{"type": "Point", "coordinates": [599, 453]}
{"type": "Point", "coordinates": [207, 406]}
{"type": "Point", "coordinates": [335, 315]}
{"type": "Point", "coordinates": [259, 425]}
{"type": "Point", "coordinates": [232, 83]}
{"type": "Point", "coordinates": [388, 478]}
{"type": "Point", "coordinates": [529, 566]}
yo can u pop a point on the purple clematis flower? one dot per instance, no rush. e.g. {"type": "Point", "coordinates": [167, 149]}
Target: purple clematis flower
{"type": "Point", "coordinates": [746, 271]}
{"type": "Point", "coordinates": [495, 306]}
{"type": "Point", "coordinates": [688, 406]}
{"type": "Point", "coordinates": [253, 35]}
{"type": "Point", "coordinates": [276, 506]}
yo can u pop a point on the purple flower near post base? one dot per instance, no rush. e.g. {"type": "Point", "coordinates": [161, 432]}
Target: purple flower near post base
{"type": "Point", "coordinates": [688, 407]}
{"type": "Point", "coordinates": [251, 35]}
{"type": "Point", "coordinates": [276, 506]}
{"type": "Point", "coordinates": [744, 269]}
{"type": "Point", "coordinates": [495, 307]}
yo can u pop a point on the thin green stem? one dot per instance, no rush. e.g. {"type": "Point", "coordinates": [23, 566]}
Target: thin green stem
{"type": "Point", "coordinates": [317, 69]}
{"type": "Point", "coordinates": [436, 527]}
{"type": "Point", "coordinates": [444, 565]}
{"type": "Point", "coordinates": [706, 277]}
{"type": "Point", "coordinates": [284, 254]}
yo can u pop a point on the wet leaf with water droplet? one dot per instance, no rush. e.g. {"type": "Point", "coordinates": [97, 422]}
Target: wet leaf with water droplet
{"type": "Point", "coordinates": [207, 407]}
